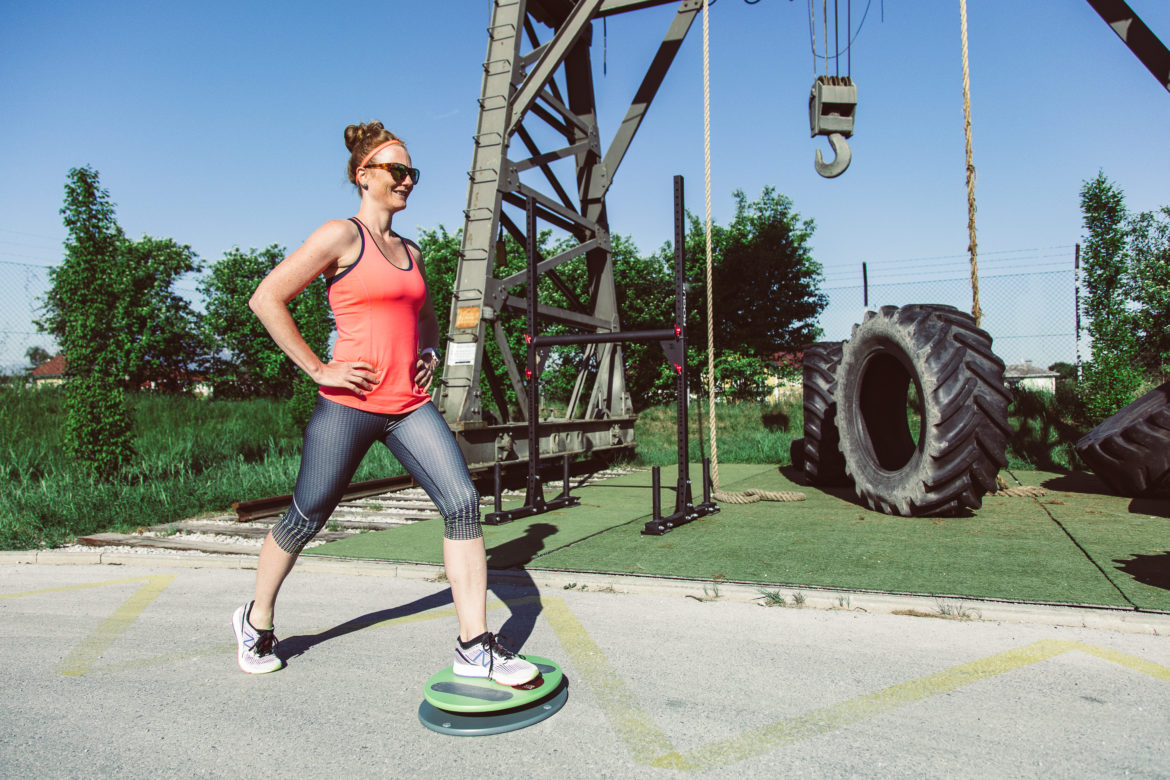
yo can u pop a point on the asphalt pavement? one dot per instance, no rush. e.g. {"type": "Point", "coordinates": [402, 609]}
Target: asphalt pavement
{"type": "Point", "coordinates": [127, 668]}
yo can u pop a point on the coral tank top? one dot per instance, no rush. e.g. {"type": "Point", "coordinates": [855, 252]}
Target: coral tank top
{"type": "Point", "coordinates": [375, 306]}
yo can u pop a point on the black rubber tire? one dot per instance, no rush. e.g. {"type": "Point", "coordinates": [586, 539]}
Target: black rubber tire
{"type": "Point", "coordinates": [1130, 451]}
{"type": "Point", "coordinates": [964, 425]}
{"type": "Point", "coordinates": [823, 462]}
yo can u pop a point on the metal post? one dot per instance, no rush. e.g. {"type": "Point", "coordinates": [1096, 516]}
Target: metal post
{"type": "Point", "coordinates": [656, 493]}
{"type": "Point", "coordinates": [683, 497]}
{"type": "Point", "coordinates": [864, 287]}
{"type": "Point", "coordinates": [499, 488]}
{"type": "Point", "coordinates": [565, 474]}
{"type": "Point", "coordinates": [534, 495]}
{"type": "Point", "coordinates": [706, 481]}
{"type": "Point", "coordinates": [1077, 303]}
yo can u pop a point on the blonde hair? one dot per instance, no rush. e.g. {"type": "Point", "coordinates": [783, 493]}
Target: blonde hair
{"type": "Point", "coordinates": [362, 139]}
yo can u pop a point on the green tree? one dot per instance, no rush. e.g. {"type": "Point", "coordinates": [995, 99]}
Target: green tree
{"type": "Point", "coordinates": [81, 310]}
{"type": "Point", "coordinates": [767, 285]}
{"type": "Point", "coordinates": [166, 348]}
{"type": "Point", "coordinates": [1112, 375]}
{"type": "Point", "coordinates": [36, 356]}
{"type": "Point", "coordinates": [767, 295]}
{"type": "Point", "coordinates": [440, 253]}
{"type": "Point", "coordinates": [1148, 235]}
{"type": "Point", "coordinates": [245, 361]}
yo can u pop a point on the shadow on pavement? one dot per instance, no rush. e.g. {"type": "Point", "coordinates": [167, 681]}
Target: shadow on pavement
{"type": "Point", "coordinates": [521, 597]}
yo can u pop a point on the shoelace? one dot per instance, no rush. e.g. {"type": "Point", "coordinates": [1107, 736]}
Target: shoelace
{"type": "Point", "coordinates": [494, 648]}
{"type": "Point", "coordinates": [265, 642]}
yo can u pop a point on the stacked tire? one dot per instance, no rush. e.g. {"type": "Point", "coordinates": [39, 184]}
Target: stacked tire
{"type": "Point", "coordinates": [950, 462]}
{"type": "Point", "coordinates": [820, 453]}
{"type": "Point", "coordinates": [1130, 451]}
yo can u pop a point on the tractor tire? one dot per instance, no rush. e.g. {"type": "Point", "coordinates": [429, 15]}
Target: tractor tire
{"type": "Point", "coordinates": [1130, 451]}
{"type": "Point", "coordinates": [823, 462]}
{"type": "Point", "coordinates": [963, 432]}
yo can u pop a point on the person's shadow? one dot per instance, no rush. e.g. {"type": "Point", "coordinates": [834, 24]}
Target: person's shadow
{"type": "Point", "coordinates": [514, 587]}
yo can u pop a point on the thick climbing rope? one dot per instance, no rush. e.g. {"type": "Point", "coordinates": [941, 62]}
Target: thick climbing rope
{"type": "Point", "coordinates": [752, 495]}
{"type": "Point", "coordinates": [976, 311]}
{"type": "Point", "coordinates": [710, 284]}
{"type": "Point", "coordinates": [747, 496]}
{"type": "Point", "coordinates": [1004, 489]}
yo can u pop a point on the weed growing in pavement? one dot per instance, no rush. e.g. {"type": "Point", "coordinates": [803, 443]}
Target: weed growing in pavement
{"type": "Point", "coordinates": [957, 610]}
{"type": "Point", "coordinates": [772, 598]}
{"type": "Point", "coordinates": [798, 599]}
{"type": "Point", "coordinates": [844, 602]}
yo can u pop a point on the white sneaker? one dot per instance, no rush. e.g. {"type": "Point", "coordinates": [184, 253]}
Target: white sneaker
{"type": "Point", "coordinates": [257, 647]}
{"type": "Point", "coordinates": [487, 658]}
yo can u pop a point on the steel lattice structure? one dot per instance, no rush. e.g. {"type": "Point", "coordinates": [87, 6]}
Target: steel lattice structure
{"type": "Point", "coordinates": [521, 101]}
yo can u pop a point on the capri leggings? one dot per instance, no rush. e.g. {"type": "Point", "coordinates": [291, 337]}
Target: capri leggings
{"type": "Point", "coordinates": [338, 437]}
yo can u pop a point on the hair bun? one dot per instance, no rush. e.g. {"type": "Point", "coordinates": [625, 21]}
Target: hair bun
{"type": "Point", "coordinates": [356, 136]}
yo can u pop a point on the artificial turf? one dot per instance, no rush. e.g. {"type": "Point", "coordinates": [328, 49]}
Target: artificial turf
{"type": "Point", "coordinates": [1076, 545]}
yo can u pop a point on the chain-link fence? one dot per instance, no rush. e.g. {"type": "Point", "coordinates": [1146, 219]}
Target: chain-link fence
{"type": "Point", "coordinates": [1028, 299]}
{"type": "Point", "coordinates": [21, 294]}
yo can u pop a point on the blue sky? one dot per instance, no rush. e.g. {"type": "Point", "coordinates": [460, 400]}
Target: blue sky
{"type": "Point", "coordinates": [220, 124]}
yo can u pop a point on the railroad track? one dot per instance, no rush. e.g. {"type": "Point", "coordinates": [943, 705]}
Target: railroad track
{"type": "Point", "coordinates": [377, 505]}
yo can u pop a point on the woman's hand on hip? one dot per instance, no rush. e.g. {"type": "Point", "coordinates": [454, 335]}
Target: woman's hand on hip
{"type": "Point", "coordinates": [425, 370]}
{"type": "Point", "coordinates": [356, 375]}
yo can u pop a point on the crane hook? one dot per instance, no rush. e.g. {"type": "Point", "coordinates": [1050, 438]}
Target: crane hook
{"type": "Point", "coordinates": [842, 160]}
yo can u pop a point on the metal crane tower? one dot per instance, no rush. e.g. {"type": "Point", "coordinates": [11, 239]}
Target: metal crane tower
{"type": "Point", "coordinates": [523, 99]}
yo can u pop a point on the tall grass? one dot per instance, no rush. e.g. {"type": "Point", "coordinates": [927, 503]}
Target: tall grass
{"type": "Point", "coordinates": [192, 457]}
{"type": "Point", "coordinates": [196, 457]}
{"type": "Point", "coordinates": [747, 432]}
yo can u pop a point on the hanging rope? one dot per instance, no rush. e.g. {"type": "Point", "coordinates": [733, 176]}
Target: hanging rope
{"type": "Point", "coordinates": [747, 496]}
{"type": "Point", "coordinates": [710, 283]}
{"type": "Point", "coordinates": [972, 247]}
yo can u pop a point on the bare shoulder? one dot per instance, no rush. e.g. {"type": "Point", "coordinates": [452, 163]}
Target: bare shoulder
{"type": "Point", "coordinates": [336, 234]}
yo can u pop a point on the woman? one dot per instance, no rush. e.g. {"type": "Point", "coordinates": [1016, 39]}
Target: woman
{"type": "Point", "coordinates": [374, 389]}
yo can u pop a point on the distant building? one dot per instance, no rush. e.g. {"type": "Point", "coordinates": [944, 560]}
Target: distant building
{"type": "Point", "coordinates": [1029, 377]}
{"type": "Point", "coordinates": [52, 372]}
{"type": "Point", "coordinates": [49, 373]}
{"type": "Point", "coordinates": [788, 384]}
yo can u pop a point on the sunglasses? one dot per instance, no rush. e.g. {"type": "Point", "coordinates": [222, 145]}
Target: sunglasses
{"type": "Point", "coordinates": [397, 170]}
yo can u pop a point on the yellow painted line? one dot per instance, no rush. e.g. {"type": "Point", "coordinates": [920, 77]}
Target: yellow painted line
{"type": "Point", "coordinates": [649, 746]}
{"type": "Point", "coordinates": [784, 732]}
{"type": "Point", "coordinates": [71, 587]}
{"type": "Point", "coordinates": [1128, 661]}
{"type": "Point", "coordinates": [91, 648]}
{"type": "Point", "coordinates": [633, 725]}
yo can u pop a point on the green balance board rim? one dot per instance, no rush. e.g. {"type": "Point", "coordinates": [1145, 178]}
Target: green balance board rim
{"type": "Point", "coordinates": [448, 691]}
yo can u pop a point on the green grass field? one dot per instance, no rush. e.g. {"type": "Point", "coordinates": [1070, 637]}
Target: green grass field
{"type": "Point", "coordinates": [1074, 546]}
{"type": "Point", "coordinates": [195, 457]}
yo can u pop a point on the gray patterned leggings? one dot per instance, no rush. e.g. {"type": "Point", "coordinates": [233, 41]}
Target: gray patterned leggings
{"type": "Point", "coordinates": [338, 437]}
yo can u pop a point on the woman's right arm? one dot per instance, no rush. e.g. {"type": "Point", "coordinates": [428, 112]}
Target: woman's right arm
{"type": "Point", "coordinates": [323, 248]}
